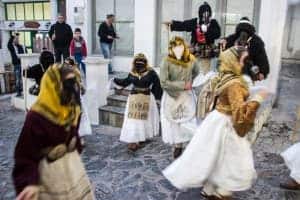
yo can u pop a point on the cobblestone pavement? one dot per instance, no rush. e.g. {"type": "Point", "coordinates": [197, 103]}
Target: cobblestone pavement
{"type": "Point", "coordinates": [119, 175]}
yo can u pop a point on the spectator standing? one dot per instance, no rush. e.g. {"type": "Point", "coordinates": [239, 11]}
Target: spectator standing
{"type": "Point", "coordinates": [78, 49]}
{"type": "Point", "coordinates": [61, 35]}
{"type": "Point", "coordinates": [107, 35]}
{"type": "Point", "coordinates": [15, 49]}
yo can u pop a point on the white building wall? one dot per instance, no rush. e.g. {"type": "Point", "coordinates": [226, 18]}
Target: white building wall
{"type": "Point", "coordinates": [4, 54]}
{"type": "Point", "coordinates": [271, 29]}
{"type": "Point", "coordinates": [81, 19]}
{"type": "Point", "coordinates": [291, 39]}
{"type": "Point", "coordinates": [145, 28]}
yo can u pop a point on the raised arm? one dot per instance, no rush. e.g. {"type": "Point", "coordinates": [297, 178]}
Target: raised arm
{"type": "Point", "coordinates": [243, 111]}
{"type": "Point", "coordinates": [187, 25]}
{"type": "Point", "coordinates": [123, 82]}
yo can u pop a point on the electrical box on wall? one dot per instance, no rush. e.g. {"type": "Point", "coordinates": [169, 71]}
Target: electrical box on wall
{"type": "Point", "coordinates": [78, 15]}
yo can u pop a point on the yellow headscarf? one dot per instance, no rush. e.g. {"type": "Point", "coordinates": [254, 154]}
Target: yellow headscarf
{"type": "Point", "coordinates": [48, 102]}
{"type": "Point", "coordinates": [187, 57]}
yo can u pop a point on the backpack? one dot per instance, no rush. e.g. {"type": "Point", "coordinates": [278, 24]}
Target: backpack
{"type": "Point", "coordinates": [208, 96]}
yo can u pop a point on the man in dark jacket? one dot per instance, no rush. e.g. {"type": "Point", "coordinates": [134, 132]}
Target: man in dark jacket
{"type": "Point", "coordinates": [204, 31]}
{"type": "Point", "coordinates": [107, 35]}
{"type": "Point", "coordinates": [245, 34]}
{"type": "Point", "coordinates": [61, 35]}
{"type": "Point", "coordinates": [15, 48]}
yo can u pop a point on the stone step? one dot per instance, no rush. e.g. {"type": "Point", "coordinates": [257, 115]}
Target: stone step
{"type": "Point", "coordinates": [124, 92]}
{"type": "Point", "coordinates": [117, 100]}
{"type": "Point", "coordinates": [111, 115]}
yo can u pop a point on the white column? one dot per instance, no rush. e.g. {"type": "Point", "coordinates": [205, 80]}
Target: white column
{"type": "Point", "coordinates": [271, 29]}
{"type": "Point", "coordinates": [96, 89]}
{"type": "Point", "coordinates": [145, 28]}
{"type": "Point", "coordinates": [53, 6]}
{"type": "Point", "coordinates": [27, 100]}
{"type": "Point", "coordinates": [89, 25]}
{"type": "Point", "coordinates": [85, 16]}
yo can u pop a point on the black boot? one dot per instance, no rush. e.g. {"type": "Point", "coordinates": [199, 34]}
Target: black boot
{"type": "Point", "coordinates": [177, 152]}
{"type": "Point", "coordinates": [291, 184]}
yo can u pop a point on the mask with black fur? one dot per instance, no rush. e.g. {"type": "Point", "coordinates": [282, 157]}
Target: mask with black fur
{"type": "Point", "coordinates": [140, 64]}
{"type": "Point", "coordinates": [204, 13]}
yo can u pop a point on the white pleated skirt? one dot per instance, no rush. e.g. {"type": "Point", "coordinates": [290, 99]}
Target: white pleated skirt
{"type": "Point", "coordinates": [136, 130]}
{"type": "Point", "coordinates": [215, 155]}
{"type": "Point", "coordinates": [292, 159]}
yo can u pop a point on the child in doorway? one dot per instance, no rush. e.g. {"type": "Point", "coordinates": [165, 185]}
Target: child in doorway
{"type": "Point", "coordinates": [78, 49]}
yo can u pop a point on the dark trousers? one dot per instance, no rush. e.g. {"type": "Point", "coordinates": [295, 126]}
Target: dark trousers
{"type": "Point", "coordinates": [61, 51]}
{"type": "Point", "coordinates": [106, 51]}
{"type": "Point", "coordinates": [81, 65]}
{"type": "Point", "coordinates": [18, 76]}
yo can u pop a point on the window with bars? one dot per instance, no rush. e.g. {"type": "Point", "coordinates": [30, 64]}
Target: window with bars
{"type": "Point", "coordinates": [38, 10]}
{"type": "Point", "coordinates": [23, 11]}
{"type": "Point", "coordinates": [124, 24]}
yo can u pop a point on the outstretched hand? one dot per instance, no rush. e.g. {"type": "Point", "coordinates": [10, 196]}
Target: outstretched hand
{"type": "Point", "coordinates": [167, 23]}
{"type": "Point", "coordinates": [263, 94]}
{"type": "Point", "coordinates": [188, 86]}
{"type": "Point", "coordinates": [30, 192]}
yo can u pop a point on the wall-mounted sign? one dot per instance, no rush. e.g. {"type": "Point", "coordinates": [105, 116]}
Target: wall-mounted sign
{"type": "Point", "coordinates": [31, 24]}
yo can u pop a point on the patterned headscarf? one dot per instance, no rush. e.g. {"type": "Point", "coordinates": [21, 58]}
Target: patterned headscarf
{"type": "Point", "coordinates": [48, 103]}
{"type": "Point", "coordinates": [230, 67]}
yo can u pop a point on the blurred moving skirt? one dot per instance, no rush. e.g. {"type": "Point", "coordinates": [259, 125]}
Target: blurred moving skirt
{"type": "Point", "coordinates": [216, 155]}
{"type": "Point", "coordinates": [85, 124]}
{"type": "Point", "coordinates": [56, 184]}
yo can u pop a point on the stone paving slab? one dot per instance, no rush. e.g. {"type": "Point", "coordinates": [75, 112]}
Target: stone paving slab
{"type": "Point", "coordinates": [119, 175]}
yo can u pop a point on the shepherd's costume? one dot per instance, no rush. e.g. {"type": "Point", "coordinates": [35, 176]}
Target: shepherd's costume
{"type": "Point", "coordinates": [178, 105]}
{"type": "Point", "coordinates": [141, 120]}
{"type": "Point", "coordinates": [219, 157]}
{"type": "Point", "coordinates": [47, 151]}
{"type": "Point", "coordinates": [204, 32]}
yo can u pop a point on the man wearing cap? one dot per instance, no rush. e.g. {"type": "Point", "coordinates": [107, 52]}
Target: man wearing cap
{"type": "Point", "coordinates": [204, 31]}
{"type": "Point", "coordinates": [245, 35]}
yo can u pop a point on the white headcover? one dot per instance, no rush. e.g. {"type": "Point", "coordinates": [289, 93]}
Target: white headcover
{"type": "Point", "coordinates": [178, 51]}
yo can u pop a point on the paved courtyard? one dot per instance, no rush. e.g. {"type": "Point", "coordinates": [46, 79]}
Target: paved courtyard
{"type": "Point", "coordinates": [119, 175]}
